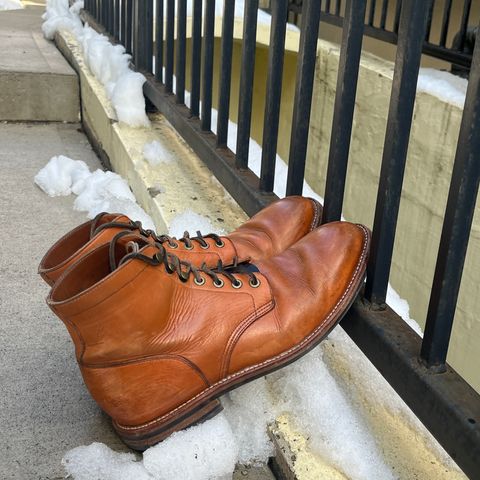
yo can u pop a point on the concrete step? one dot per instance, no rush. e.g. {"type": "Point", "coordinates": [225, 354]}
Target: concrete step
{"type": "Point", "coordinates": [36, 82]}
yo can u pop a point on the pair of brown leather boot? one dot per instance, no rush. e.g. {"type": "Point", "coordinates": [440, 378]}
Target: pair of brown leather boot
{"type": "Point", "coordinates": [163, 327]}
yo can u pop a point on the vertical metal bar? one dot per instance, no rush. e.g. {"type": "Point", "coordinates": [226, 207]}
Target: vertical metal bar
{"type": "Point", "coordinates": [225, 72]}
{"type": "Point", "coordinates": [383, 18]}
{"type": "Point", "coordinates": [207, 75]}
{"type": "Point", "coordinates": [169, 45]}
{"type": "Point", "coordinates": [344, 107]}
{"type": "Point", "coordinates": [181, 50]}
{"type": "Point", "coordinates": [445, 22]}
{"type": "Point", "coordinates": [273, 94]}
{"type": "Point", "coordinates": [116, 19]}
{"type": "Point", "coordinates": [456, 226]}
{"type": "Point", "coordinates": [246, 83]}
{"type": "Point", "coordinates": [196, 58]}
{"type": "Point", "coordinates": [410, 41]}
{"type": "Point", "coordinates": [110, 16]}
{"type": "Point", "coordinates": [121, 22]}
{"type": "Point", "coordinates": [338, 7]}
{"type": "Point", "coordinates": [143, 35]}
{"type": "Point", "coordinates": [371, 12]}
{"type": "Point", "coordinates": [307, 58]}
{"type": "Point", "coordinates": [159, 41]}
{"type": "Point", "coordinates": [396, 21]}
{"type": "Point", "coordinates": [327, 6]}
{"type": "Point", "coordinates": [429, 21]}
{"type": "Point", "coordinates": [464, 23]}
{"type": "Point", "coordinates": [129, 26]}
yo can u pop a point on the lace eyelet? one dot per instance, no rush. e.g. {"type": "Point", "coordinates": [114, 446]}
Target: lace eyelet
{"type": "Point", "coordinates": [173, 245]}
{"type": "Point", "coordinates": [219, 284]}
{"type": "Point", "coordinates": [237, 284]}
{"type": "Point", "coordinates": [205, 247]}
{"type": "Point", "coordinates": [188, 247]}
{"type": "Point", "coordinates": [199, 282]}
{"type": "Point", "coordinates": [254, 284]}
{"type": "Point", "coordinates": [170, 270]}
{"type": "Point", "coordinates": [220, 244]}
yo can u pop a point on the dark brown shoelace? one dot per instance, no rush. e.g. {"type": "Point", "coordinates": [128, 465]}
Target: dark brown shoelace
{"type": "Point", "coordinates": [172, 241]}
{"type": "Point", "coordinates": [183, 269]}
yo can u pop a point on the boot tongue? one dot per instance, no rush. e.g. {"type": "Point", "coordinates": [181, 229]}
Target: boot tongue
{"type": "Point", "coordinates": [245, 267]}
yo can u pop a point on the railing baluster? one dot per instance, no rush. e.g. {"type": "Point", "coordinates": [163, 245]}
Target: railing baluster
{"type": "Point", "coordinates": [116, 20]}
{"type": "Point", "coordinates": [273, 94]}
{"type": "Point", "coordinates": [429, 21]}
{"type": "Point", "coordinates": [371, 12]}
{"type": "Point", "coordinates": [128, 25]}
{"type": "Point", "coordinates": [169, 45]}
{"type": "Point", "coordinates": [410, 41]}
{"type": "Point", "coordinates": [225, 72]}
{"type": "Point", "coordinates": [464, 23]}
{"type": "Point", "coordinates": [159, 44]}
{"type": "Point", "coordinates": [207, 75]}
{"type": "Point", "coordinates": [396, 21]}
{"type": "Point", "coordinates": [303, 96]}
{"type": "Point", "coordinates": [338, 6]}
{"type": "Point", "coordinates": [327, 6]}
{"type": "Point", "coordinates": [383, 18]}
{"type": "Point", "coordinates": [344, 108]}
{"type": "Point", "coordinates": [181, 49]}
{"type": "Point", "coordinates": [456, 226]}
{"type": "Point", "coordinates": [196, 57]}
{"type": "Point", "coordinates": [445, 22]}
{"type": "Point", "coordinates": [143, 35]}
{"type": "Point", "coordinates": [246, 83]}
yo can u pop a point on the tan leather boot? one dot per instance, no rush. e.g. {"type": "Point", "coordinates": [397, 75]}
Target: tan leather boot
{"type": "Point", "coordinates": [159, 340]}
{"type": "Point", "coordinates": [269, 232]}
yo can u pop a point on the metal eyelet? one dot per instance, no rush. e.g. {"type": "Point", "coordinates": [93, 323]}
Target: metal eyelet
{"type": "Point", "coordinates": [205, 247]}
{"type": "Point", "coordinates": [220, 244]}
{"type": "Point", "coordinates": [219, 284]}
{"type": "Point", "coordinates": [199, 282]}
{"type": "Point", "coordinates": [254, 285]}
{"type": "Point", "coordinates": [173, 245]}
{"type": "Point", "coordinates": [237, 284]}
{"type": "Point", "coordinates": [170, 270]}
{"type": "Point", "coordinates": [188, 247]}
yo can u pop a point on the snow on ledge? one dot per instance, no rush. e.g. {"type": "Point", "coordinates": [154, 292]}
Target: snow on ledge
{"type": "Point", "coordinates": [444, 85]}
{"type": "Point", "coordinates": [11, 5]}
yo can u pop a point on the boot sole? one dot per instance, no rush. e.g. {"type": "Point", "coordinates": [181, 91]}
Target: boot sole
{"type": "Point", "coordinates": [206, 404]}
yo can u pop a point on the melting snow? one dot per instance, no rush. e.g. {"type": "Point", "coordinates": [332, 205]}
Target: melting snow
{"type": "Point", "coordinates": [96, 192]}
{"type": "Point", "coordinates": [155, 153]}
{"type": "Point", "coordinates": [444, 85]}
{"type": "Point", "coordinates": [10, 5]}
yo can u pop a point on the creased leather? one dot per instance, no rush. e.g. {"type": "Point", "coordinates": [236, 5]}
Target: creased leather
{"type": "Point", "coordinates": [131, 326]}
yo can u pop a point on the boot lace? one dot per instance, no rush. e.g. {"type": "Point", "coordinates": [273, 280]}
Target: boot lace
{"type": "Point", "coordinates": [183, 269]}
{"type": "Point", "coordinates": [173, 242]}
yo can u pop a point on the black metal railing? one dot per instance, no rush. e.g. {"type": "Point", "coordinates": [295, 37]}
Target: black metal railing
{"type": "Point", "coordinates": [452, 42]}
{"type": "Point", "coordinates": [416, 368]}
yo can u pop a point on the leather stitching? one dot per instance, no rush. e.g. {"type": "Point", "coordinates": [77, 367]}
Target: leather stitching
{"type": "Point", "coordinates": [235, 336]}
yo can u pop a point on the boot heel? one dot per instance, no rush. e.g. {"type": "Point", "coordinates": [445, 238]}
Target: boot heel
{"type": "Point", "coordinates": [142, 437]}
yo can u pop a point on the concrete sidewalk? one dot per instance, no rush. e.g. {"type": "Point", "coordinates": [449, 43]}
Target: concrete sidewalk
{"type": "Point", "coordinates": [44, 407]}
{"type": "Point", "coordinates": [36, 82]}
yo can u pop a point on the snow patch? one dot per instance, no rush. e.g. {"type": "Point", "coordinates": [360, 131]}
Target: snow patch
{"type": "Point", "coordinates": [155, 153]}
{"type": "Point", "coordinates": [61, 175]}
{"type": "Point", "coordinates": [96, 192]}
{"type": "Point", "coordinates": [11, 5]}
{"type": "Point", "coordinates": [110, 64]}
{"type": "Point", "coordinates": [444, 85]}
{"type": "Point", "coordinates": [205, 452]}
{"type": "Point", "coordinates": [98, 462]}
{"type": "Point", "coordinates": [191, 222]}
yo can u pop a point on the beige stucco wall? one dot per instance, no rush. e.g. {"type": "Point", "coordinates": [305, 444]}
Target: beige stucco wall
{"type": "Point", "coordinates": [430, 159]}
